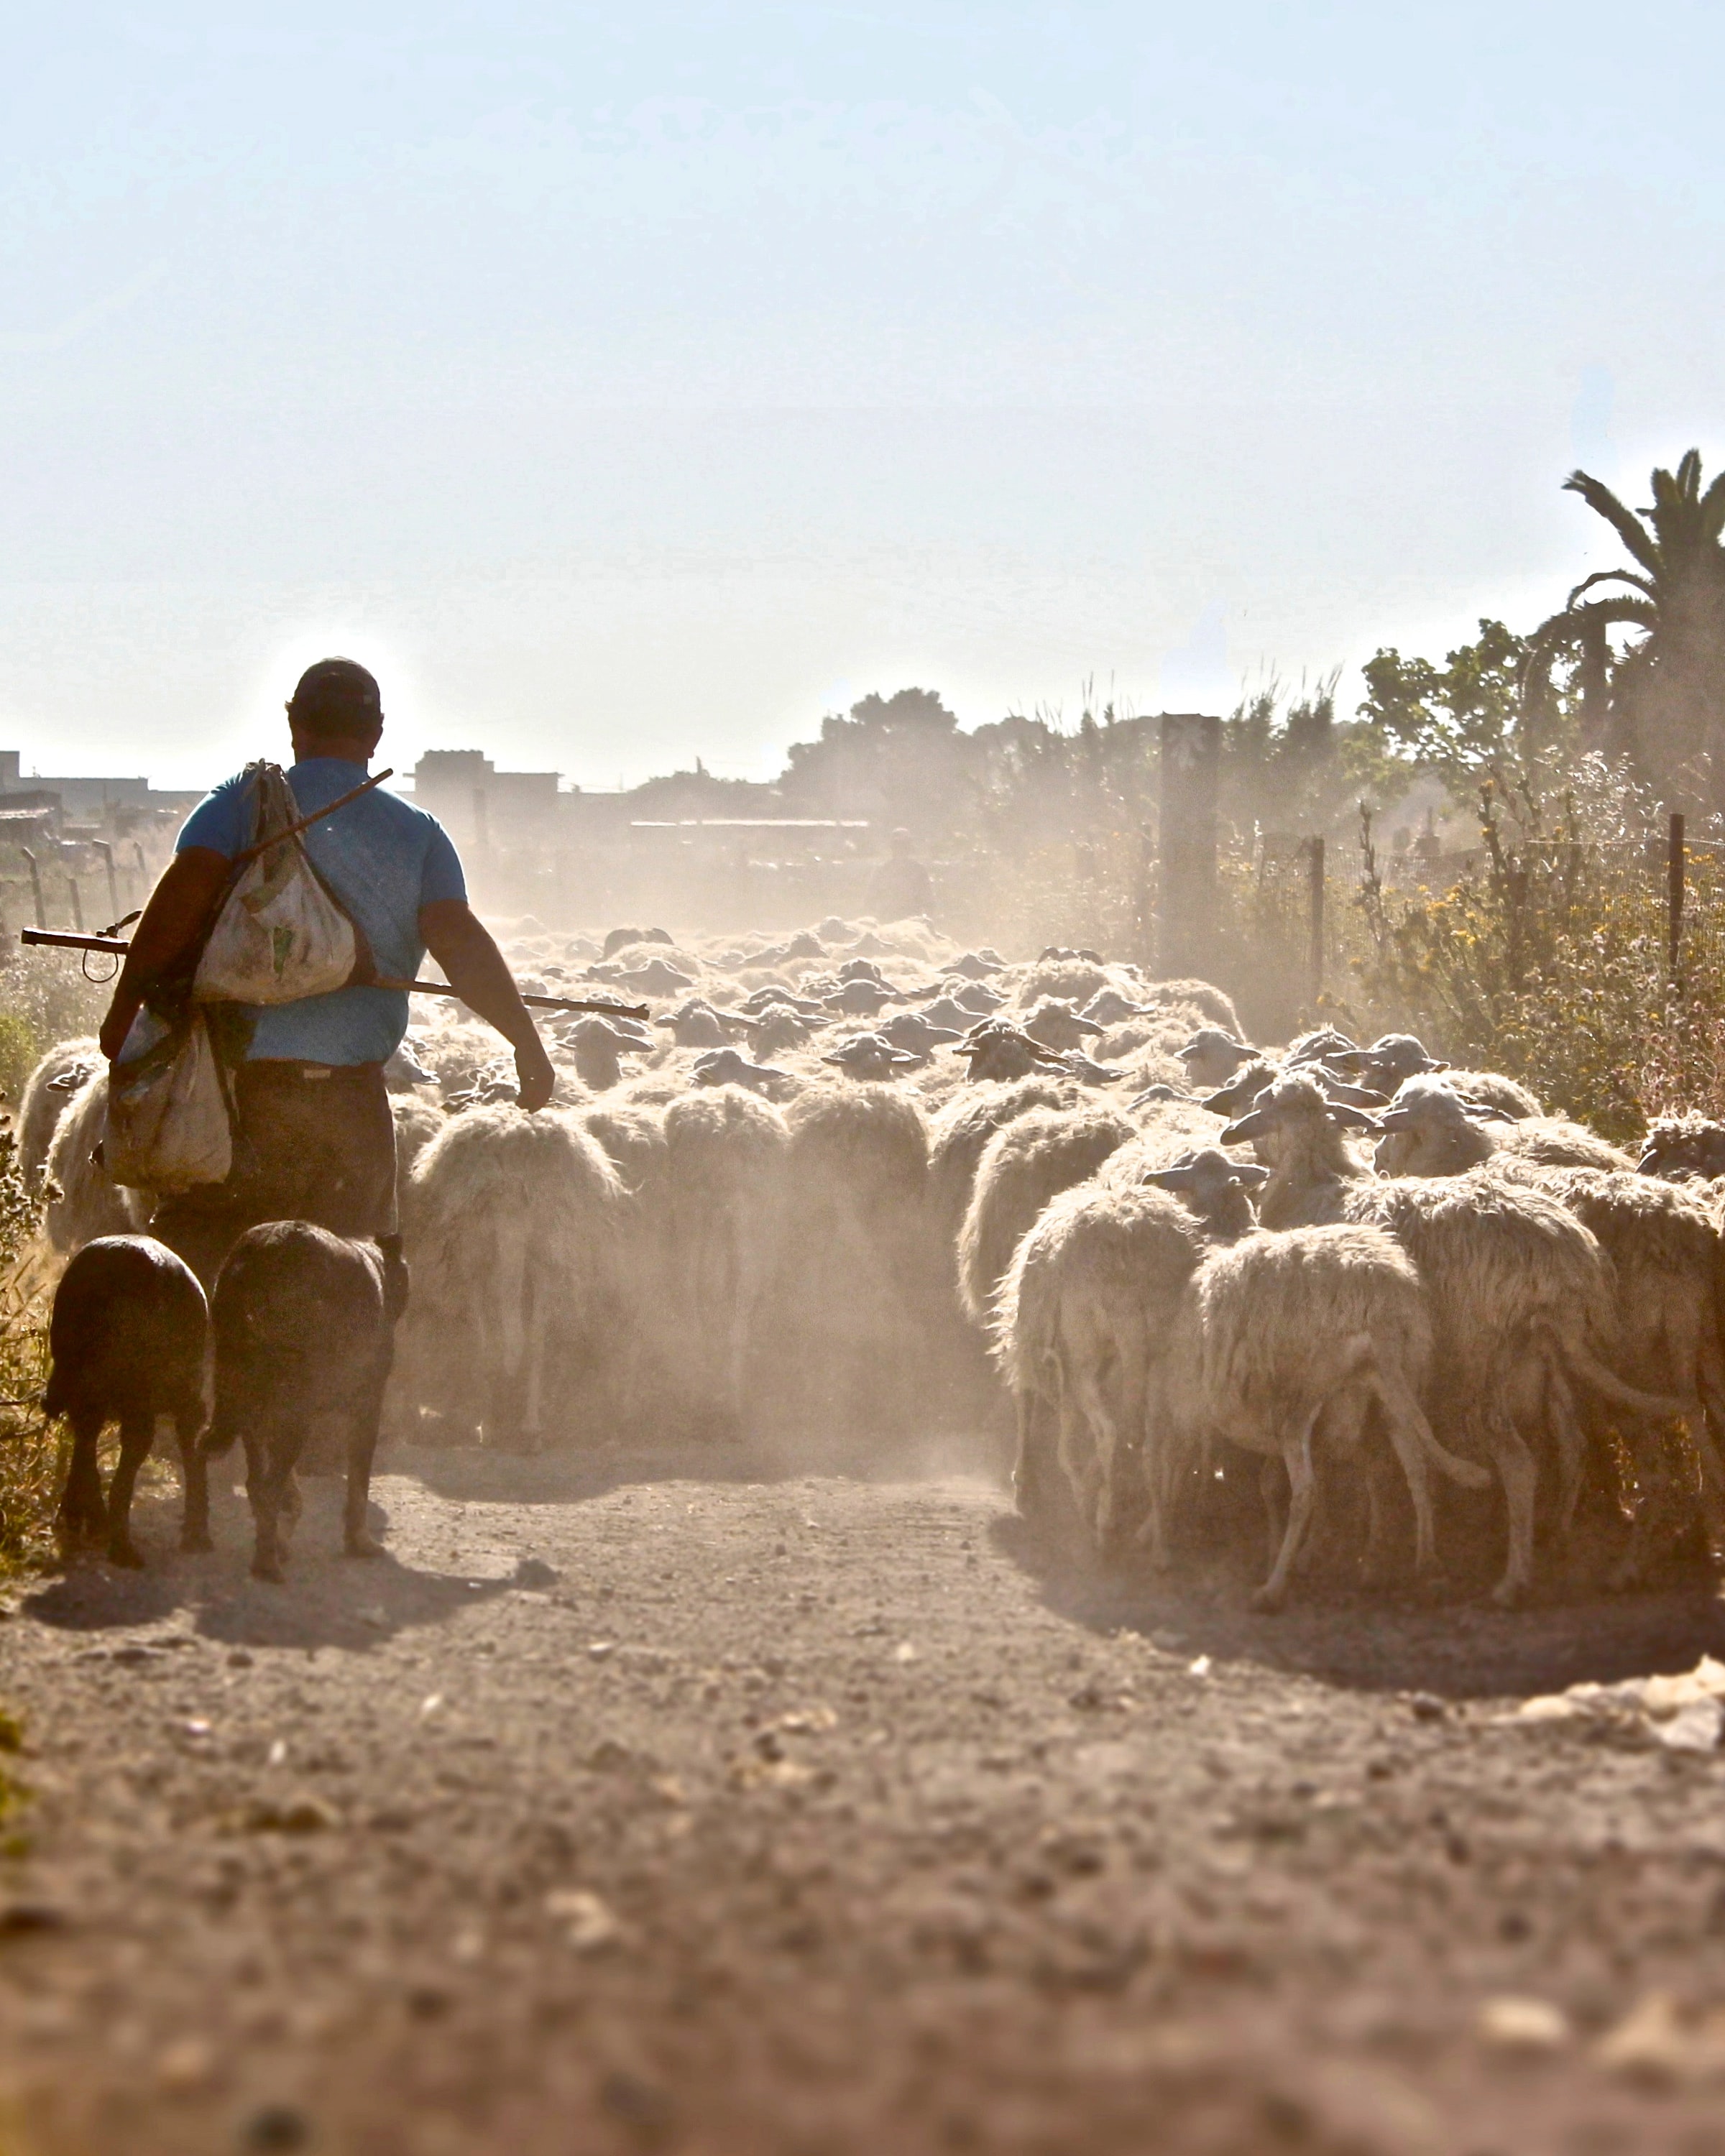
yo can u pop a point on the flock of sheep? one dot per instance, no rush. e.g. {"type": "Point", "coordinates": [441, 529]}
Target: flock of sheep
{"type": "Point", "coordinates": [850, 1181]}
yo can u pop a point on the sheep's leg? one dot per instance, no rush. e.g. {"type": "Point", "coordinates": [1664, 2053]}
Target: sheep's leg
{"type": "Point", "coordinates": [137, 1434]}
{"type": "Point", "coordinates": [1567, 1441]}
{"type": "Point", "coordinates": [1105, 1447]}
{"type": "Point", "coordinates": [1297, 1454]}
{"type": "Point", "coordinates": [357, 1537]}
{"type": "Point", "coordinates": [533, 1435]}
{"type": "Point", "coordinates": [1027, 1490]}
{"type": "Point", "coordinates": [1155, 1475]}
{"type": "Point", "coordinates": [83, 1514]}
{"type": "Point", "coordinates": [1035, 1490]}
{"type": "Point", "coordinates": [194, 1470]}
{"type": "Point", "coordinates": [1372, 1566]}
{"type": "Point", "coordinates": [1519, 1477]}
{"type": "Point", "coordinates": [1411, 1454]}
{"type": "Point", "coordinates": [274, 1493]}
{"type": "Point", "coordinates": [1656, 1484]}
{"type": "Point", "coordinates": [1076, 1459]}
{"type": "Point", "coordinates": [1272, 1487]}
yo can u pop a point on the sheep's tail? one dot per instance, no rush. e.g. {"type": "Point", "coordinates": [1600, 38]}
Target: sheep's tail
{"type": "Point", "coordinates": [1398, 1399]}
{"type": "Point", "coordinates": [1581, 1362]}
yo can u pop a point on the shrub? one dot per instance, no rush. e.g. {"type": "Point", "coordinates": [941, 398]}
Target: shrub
{"type": "Point", "coordinates": [30, 1449]}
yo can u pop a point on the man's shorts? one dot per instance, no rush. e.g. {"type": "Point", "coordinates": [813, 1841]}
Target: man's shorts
{"type": "Point", "coordinates": [312, 1141]}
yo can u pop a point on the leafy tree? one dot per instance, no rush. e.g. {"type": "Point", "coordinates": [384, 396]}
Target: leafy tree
{"type": "Point", "coordinates": [1465, 720]}
{"type": "Point", "coordinates": [1301, 768]}
{"type": "Point", "coordinates": [898, 759]}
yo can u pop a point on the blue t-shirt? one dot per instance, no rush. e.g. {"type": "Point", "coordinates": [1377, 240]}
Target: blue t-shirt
{"type": "Point", "coordinates": [383, 859]}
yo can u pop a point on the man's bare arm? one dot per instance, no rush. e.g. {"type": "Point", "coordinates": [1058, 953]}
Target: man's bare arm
{"type": "Point", "coordinates": [178, 913]}
{"type": "Point", "coordinates": [476, 970]}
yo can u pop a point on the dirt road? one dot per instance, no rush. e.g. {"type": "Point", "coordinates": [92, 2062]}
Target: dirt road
{"type": "Point", "coordinates": [636, 1809]}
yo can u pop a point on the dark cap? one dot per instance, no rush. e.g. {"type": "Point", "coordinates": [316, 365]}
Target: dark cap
{"type": "Point", "coordinates": [336, 696]}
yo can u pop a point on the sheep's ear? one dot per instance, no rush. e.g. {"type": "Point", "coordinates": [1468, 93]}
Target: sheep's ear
{"type": "Point", "coordinates": [1394, 1119]}
{"type": "Point", "coordinates": [1350, 1119]}
{"type": "Point", "coordinates": [1482, 1111]}
{"type": "Point", "coordinates": [1169, 1179]}
{"type": "Point", "coordinates": [1248, 1171]}
{"type": "Point", "coordinates": [1248, 1126]}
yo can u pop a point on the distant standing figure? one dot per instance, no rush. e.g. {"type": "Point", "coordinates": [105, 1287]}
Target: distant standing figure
{"type": "Point", "coordinates": [900, 886]}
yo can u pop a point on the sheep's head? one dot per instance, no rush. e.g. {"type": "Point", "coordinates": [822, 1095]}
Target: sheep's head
{"type": "Point", "coordinates": [1680, 1147]}
{"type": "Point", "coordinates": [1108, 1007]}
{"type": "Point", "coordinates": [1292, 1117]}
{"type": "Point", "coordinates": [1212, 1056]}
{"type": "Point", "coordinates": [996, 1050]}
{"type": "Point", "coordinates": [1429, 1130]}
{"type": "Point", "coordinates": [1326, 1045]}
{"type": "Point", "coordinates": [1057, 1025]}
{"type": "Point", "coordinates": [1216, 1189]}
{"type": "Point", "coordinates": [912, 1032]}
{"type": "Point", "coordinates": [726, 1067]}
{"type": "Point", "coordinates": [1389, 1063]}
{"type": "Point", "coordinates": [866, 1055]}
{"type": "Point", "coordinates": [694, 1025]}
{"type": "Point", "coordinates": [860, 997]}
{"type": "Point", "coordinates": [1242, 1092]}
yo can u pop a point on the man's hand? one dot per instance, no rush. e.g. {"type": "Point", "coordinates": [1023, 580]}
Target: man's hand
{"type": "Point", "coordinates": [475, 969]}
{"type": "Point", "coordinates": [179, 913]}
{"type": "Point", "coordinates": [534, 1074]}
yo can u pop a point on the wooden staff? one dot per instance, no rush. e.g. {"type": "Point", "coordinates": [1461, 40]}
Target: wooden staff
{"type": "Point", "coordinates": [117, 949]}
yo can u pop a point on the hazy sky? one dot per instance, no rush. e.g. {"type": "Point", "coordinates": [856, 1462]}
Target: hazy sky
{"type": "Point", "coordinates": [628, 384]}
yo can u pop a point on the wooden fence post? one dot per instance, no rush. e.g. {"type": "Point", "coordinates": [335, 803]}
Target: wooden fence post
{"type": "Point", "coordinates": [1314, 945]}
{"type": "Point", "coordinates": [35, 885]}
{"type": "Point", "coordinates": [1674, 895]}
{"type": "Point", "coordinates": [1186, 895]}
{"type": "Point", "coordinates": [77, 904]}
{"type": "Point", "coordinates": [107, 854]}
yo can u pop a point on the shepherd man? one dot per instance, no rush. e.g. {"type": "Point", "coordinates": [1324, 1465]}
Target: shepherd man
{"type": "Point", "coordinates": [314, 1137]}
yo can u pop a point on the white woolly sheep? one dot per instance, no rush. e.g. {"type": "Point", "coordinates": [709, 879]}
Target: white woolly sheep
{"type": "Point", "coordinates": [84, 1199]}
{"type": "Point", "coordinates": [47, 1095]}
{"type": "Point", "coordinates": [1295, 1130]}
{"type": "Point", "coordinates": [724, 1182]}
{"type": "Point", "coordinates": [1683, 1148]}
{"type": "Point", "coordinates": [509, 1228]}
{"type": "Point", "coordinates": [1665, 1253]}
{"type": "Point", "coordinates": [1521, 1307]}
{"type": "Point", "coordinates": [1025, 1164]}
{"type": "Point", "coordinates": [1430, 1130]}
{"type": "Point", "coordinates": [1284, 1344]}
{"type": "Point", "coordinates": [857, 1304]}
{"type": "Point", "coordinates": [1080, 1322]}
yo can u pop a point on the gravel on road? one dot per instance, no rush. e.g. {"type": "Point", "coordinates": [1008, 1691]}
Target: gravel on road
{"type": "Point", "coordinates": [640, 1805]}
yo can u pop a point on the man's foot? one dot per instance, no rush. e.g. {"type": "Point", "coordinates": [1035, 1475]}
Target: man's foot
{"type": "Point", "coordinates": [360, 1542]}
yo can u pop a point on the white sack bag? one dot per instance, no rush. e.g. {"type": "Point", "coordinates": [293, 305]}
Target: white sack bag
{"type": "Point", "coordinates": [167, 1115]}
{"type": "Point", "coordinates": [280, 936]}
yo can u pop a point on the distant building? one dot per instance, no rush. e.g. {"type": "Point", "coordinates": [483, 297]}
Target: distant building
{"type": "Point", "coordinates": [479, 806]}
{"type": "Point", "coordinates": [92, 801]}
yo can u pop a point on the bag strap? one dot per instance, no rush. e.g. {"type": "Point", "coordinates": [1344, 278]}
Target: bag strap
{"type": "Point", "coordinates": [305, 823]}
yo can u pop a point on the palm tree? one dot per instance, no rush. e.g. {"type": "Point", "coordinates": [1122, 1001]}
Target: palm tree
{"type": "Point", "coordinates": [1662, 703]}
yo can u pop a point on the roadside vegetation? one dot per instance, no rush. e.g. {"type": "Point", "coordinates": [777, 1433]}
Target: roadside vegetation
{"type": "Point", "coordinates": [29, 1450]}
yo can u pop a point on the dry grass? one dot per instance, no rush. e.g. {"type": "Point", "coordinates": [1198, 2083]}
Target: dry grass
{"type": "Point", "coordinates": [30, 1463]}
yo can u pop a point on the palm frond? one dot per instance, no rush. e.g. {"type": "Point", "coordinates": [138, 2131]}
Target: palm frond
{"type": "Point", "coordinates": [1628, 526]}
{"type": "Point", "coordinates": [1606, 576]}
{"type": "Point", "coordinates": [1712, 508]}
